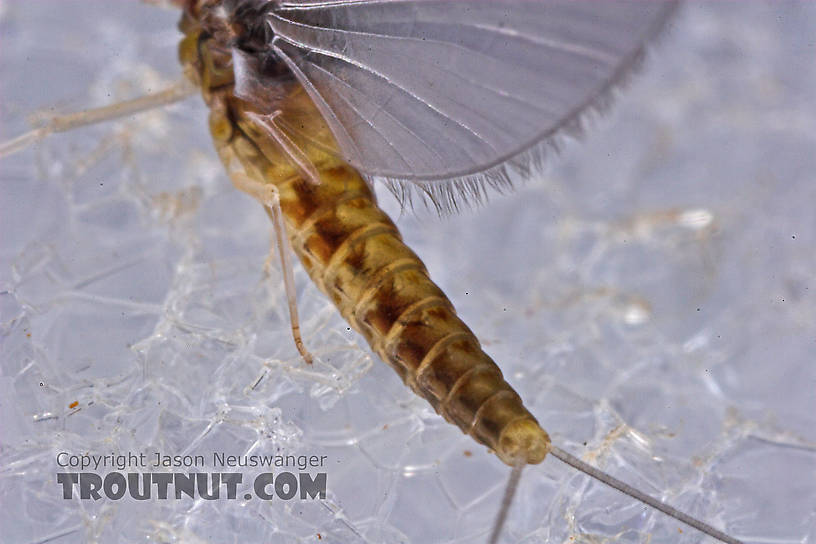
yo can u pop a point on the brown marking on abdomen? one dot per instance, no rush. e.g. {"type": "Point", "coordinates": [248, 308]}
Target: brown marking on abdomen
{"type": "Point", "coordinates": [355, 254]}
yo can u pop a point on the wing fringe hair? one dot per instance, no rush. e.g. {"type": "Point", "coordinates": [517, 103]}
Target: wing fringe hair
{"type": "Point", "coordinates": [474, 190]}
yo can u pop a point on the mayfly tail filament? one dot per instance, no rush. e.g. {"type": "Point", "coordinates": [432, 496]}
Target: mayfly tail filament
{"type": "Point", "coordinates": [626, 489]}
{"type": "Point", "coordinates": [507, 502]}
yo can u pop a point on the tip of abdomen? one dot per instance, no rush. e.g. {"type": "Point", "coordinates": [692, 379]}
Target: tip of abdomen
{"type": "Point", "coordinates": [523, 440]}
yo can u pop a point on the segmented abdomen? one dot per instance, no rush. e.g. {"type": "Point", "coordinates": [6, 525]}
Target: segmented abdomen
{"type": "Point", "coordinates": [355, 254]}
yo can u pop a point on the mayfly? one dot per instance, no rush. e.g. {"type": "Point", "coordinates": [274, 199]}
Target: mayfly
{"type": "Point", "coordinates": [305, 96]}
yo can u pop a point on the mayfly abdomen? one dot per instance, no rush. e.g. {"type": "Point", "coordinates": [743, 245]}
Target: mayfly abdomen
{"type": "Point", "coordinates": [355, 254]}
{"type": "Point", "coordinates": [352, 249]}
{"type": "Point", "coordinates": [357, 257]}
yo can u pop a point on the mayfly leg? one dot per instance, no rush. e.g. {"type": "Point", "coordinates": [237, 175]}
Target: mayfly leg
{"type": "Point", "coordinates": [65, 122]}
{"type": "Point", "coordinates": [268, 195]}
{"type": "Point", "coordinates": [274, 211]}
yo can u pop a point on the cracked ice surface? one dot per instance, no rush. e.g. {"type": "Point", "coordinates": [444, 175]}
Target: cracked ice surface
{"type": "Point", "coordinates": [651, 296]}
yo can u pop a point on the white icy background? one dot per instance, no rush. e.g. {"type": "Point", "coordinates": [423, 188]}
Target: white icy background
{"type": "Point", "coordinates": [651, 296]}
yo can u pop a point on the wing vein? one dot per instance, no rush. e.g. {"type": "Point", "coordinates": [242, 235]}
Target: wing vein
{"type": "Point", "coordinates": [381, 108]}
{"type": "Point", "coordinates": [353, 62]}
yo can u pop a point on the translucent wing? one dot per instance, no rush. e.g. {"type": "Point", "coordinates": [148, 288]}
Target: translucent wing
{"type": "Point", "coordinates": [428, 91]}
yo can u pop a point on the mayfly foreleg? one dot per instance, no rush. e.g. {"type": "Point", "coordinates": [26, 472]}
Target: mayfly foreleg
{"type": "Point", "coordinates": [65, 122]}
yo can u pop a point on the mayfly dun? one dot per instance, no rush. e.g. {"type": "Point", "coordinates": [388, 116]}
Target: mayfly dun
{"type": "Point", "coordinates": [299, 91]}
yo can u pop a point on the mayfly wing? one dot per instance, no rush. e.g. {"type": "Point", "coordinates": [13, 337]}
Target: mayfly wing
{"type": "Point", "coordinates": [433, 91]}
{"type": "Point", "coordinates": [287, 115]}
